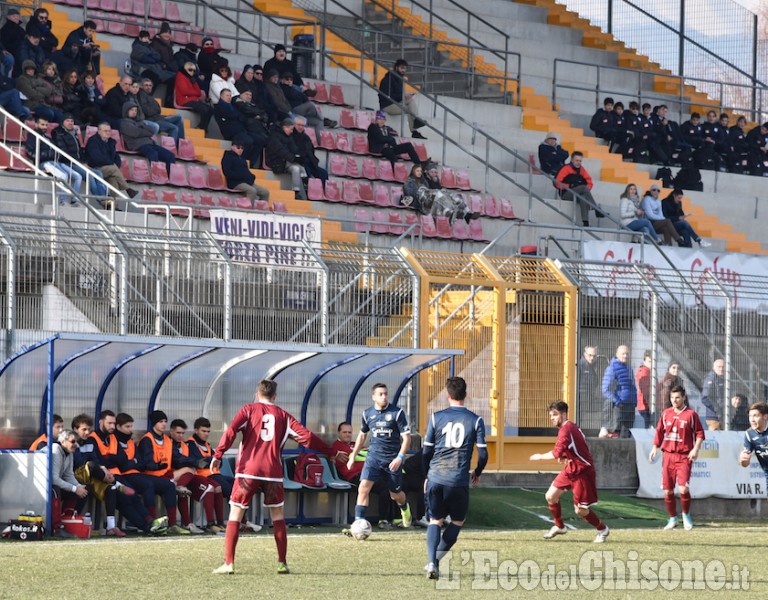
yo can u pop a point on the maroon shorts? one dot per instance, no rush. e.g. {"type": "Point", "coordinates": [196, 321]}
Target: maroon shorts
{"type": "Point", "coordinates": [583, 485]}
{"type": "Point", "coordinates": [197, 485]}
{"type": "Point", "coordinates": [675, 467]}
{"type": "Point", "coordinates": [245, 489]}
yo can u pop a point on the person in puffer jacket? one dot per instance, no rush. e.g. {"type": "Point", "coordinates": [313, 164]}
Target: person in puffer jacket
{"type": "Point", "coordinates": [619, 388]}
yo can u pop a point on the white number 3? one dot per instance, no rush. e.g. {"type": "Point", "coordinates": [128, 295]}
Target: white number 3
{"type": "Point", "coordinates": [267, 427]}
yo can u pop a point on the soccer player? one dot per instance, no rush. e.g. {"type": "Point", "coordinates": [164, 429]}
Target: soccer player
{"type": "Point", "coordinates": [679, 434]}
{"type": "Point", "coordinates": [390, 438]}
{"type": "Point", "coordinates": [451, 437]}
{"type": "Point", "coordinates": [756, 437]}
{"type": "Point", "coordinates": [578, 474]}
{"type": "Point", "coordinates": [42, 441]}
{"type": "Point", "coordinates": [265, 428]}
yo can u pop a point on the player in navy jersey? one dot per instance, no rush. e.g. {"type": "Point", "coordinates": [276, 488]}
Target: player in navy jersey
{"type": "Point", "coordinates": [578, 474]}
{"type": "Point", "coordinates": [390, 438]}
{"type": "Point", "coordinates": [756, 437]}
{"type": "Point", "coordinates": [265, 428]}
{"type": "Point", "coordinates": [451, 437]}
{"type": "Point", "coordinates": [679, 434]}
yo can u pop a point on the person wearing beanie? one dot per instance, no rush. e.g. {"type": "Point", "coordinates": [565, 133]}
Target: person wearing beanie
{"type": "Point", "coordinates": [279, 107]}
{"type": "Point", "coordinates": [29, 49]}
{"type": "Point", "coordinates": [552, 157]}
{"type": "Point", "coordinates": [393, 99]}
{"type": "Point", "coordinates": [147, 62]}
{"type": "Point", "coordinates": [280, 63]}
{"type": "Point", "coordinates": [382, 139]}
{"type": "Point", "coordinates": [137, 136]}
{"type": "Point", "coordinates": [210, 59]}
{"type": "Point", "coordinates": [12, 35]}
{"type": "Point", "coordinates": [155, 455]}
{"type": "Point", "coordinates": [163, 45]}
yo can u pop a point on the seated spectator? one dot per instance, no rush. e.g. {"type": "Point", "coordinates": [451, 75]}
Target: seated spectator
{"type": "Point", "coordinates": [147, 62]}
{"type": "Point", "coordinates": [307, 151]}
{"type": "Point", "coordinates": [66, 489]}
{"type": "Point", "coordinates": [382, 140]}
{"type": "Point", "coordinates": [234, 125]}
{"type": "Point", "coordinates": [210, 60]}
{"type": "Point", "coordinates": [71, 93]}
{"type": "Point", "coordinates": [173, 125]}
{"type": "Point", "coordinates": [620, 138]}
{"type": "Point", "coordinates": [40, 26]}
{"type": "Point", "coordinates": [7, 61]}
{"type": "Point", "coordinates": [66, 137]}
{"type": "Point", "coordinates": [245, 81]}
{"type": "Point", "coordinates": [187, 94]}
{"type": "Point", "coordinates": [253, 79]}
{"type": "Point", "coordinates": [12, 34]}
{"type": "Point", "coordinates": [42, 440]}
{"type": "Point", "coordinates": [36, 92]}
{"type": "Point", "coordinates": [650, 136]}
{"type": "Point", "coordinates": [163, 45]}
{"type": "Point", "coordinates": [651, 206]}
{"type": "Point", "coordinates": [221, 80]}
{"type": "Point", "coordinates": [693, 134]}
{"type": "Point", "coordinates": [115, 99]}
{"type": "Point", "coordinates": [301, 104]}
{"type": "Point", "coordinates": [10, 99]}
{"type": "Point", "coordinates": [29, 50]}
{"type": "Point", "coordinates": [283, 155]}
{"type": "Point", "coordinates": [278, 103]}
{"type": "Point", "coordinates": [672, 207]}
{"type": "Point", "coordinates": [280, 63]}
{"type": "Point", "coordinates": [552, 157]}
{"type": "Point", "coordinates": [256, 115]}
{"type": "Point", "coordinates": [50, 75]}
{"type": "Point", "coordinates": [632, 216]}
{"type": "Point", "coordinates": [602, 122]}
{"type": "Point", "coordinates": [393, 99]}
{"type": "Point", "coordinates": [81, 51]}
{"type": "Point", "coordinates": [715, 136]}
{"type": "Point", "coordinates": [238, 175]}
{"type": "Point", "coordinates": [137, 136]}
{"type": "Point", "coordinates": [574, 179]}
{"type": "Point", "coordinates": [757, 142]}
{"type": "Point", "coordinates": [101, 153]}
{"type": "Point", "coordinates": [737, 137]}
{"type": "Point", "coordinates": [91, 100]}
{"type": "Point", "coordinates": [739, 412]}
{"type": "Point", "coordinates": [435, 201]}
{"type": "Point", "coordinates": [48, 158]}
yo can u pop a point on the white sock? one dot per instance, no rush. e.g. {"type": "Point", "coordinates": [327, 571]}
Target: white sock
{"type": "Point", "coordinates": [111, 522]}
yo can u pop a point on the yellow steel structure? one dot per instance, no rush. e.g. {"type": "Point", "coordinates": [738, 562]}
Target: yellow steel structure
{"type": "Point", "coordinates": [515, 318]}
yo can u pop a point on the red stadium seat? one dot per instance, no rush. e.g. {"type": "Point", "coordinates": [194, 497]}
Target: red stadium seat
{"type": "Point", "coordinates": [395, 193]}
{"type": "Point", "coordinates": [491, 207]}
{"type": "Point", "coordinates": [475, 203]}
{"type": "Point", "coordinates": [139, 7]}
{"type": "Point", "coordinates": [381, 195]}
{"type": "Point", "coordinates": [172, 13]}
{"type": "Point", "coordinates": [166, 141]}
{"type": "Point", "coordinates": [310, 131]}
{"type": "Point", "coordinates": [90, 130]}
{"type": "Point", "coordinates": [428, 228]}
{"type": "Point", "coordinates": [180, 37]}
{"type": "Point", "coordinates": [322, 93]}
{"type": "Point", "coordinates": [196, 177]}
{"type": "Point", "coordinates": [360, 144]}
{"type": "Point", "coordinates": [337, 95]}
{"type": "Point", "coordinates": [385, 171]}
{"type": "Point", "coordinates": [460, 230]}
{"type": "Point", "coordinates": [186, 149]}
{"type": "Point", "coordinates": [447, 178]}
{"type": "Point", "coordinates": [125, 169]}
{"type": "Point", "coordinates": [462, 179]}
{"type": "Point", "coordinates": [338, 165]}
{"type": "Point", "coordinates": [178, 175]}
{"type": "Point", "coordinates": [12, 132]}
{"type": "Point", "coordinates": [363, 119]}
{"type": "Point", "coordinates": [327, 140]}
{"type": "Point", "coordinates": [506, 210]}
{"type": "Point", "coordinates": [350, 192]}
{"type": "Point", "coordinates": [207, 200]}
{"type": "Point", "coordinates": [279, 207]}
{"type": "Point", "coordinates": [421, 150]}
{"type": "Point", "coordinates": [109, 5]}
{"type": "Point", "coordinates": [361, 218]}
{"type": "Point", "coordinates": [370, 169]}
{"type": "Point", "coordinates": [366, 191]}
{"type": "Point", "coordinates": [443, 227]}
{"type": "Point", "coordinates": [315, 189]}
{"type": "Point", "coordinates": [149, 195]}
{"type": "Point", "coordinates": [226, 202]}
{"type": "Point", "coordinates": [347, 119]}
{"type": "Point", "coordinates": [476, 230]}
{"type": "Point", "coordinates": [401, 172]}
{"type": "Point", "coordinates": [352, 169]}
{"type": "Point", "coordinates": [216, 178]}
{"type": "Point", "coordinates": [380, 221]}
{"type": "Point", "coordinates": [156, 10]}
{"type": "Point", "coordinates": [396, 223]}
{"type": "Point", "coordinates": [332, 192]}
{"type": "Point", "coordinates": [342, 141]}
{"type": "Point", "coordinates": [244, 203]}
{"type": "Point", "coordinates": [261, 205]}
{"type": "Point", "coordinates": [132, 27]}
{"type": "Point", "coordinates": [411, 218]}
{"type": "Point", "coordinates": [140, 170]}
{"type": "Point", "coordinates": [159, 173]}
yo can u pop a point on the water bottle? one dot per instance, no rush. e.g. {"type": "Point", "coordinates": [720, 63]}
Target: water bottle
{"type": "Point", "coordinates": [87, 519]}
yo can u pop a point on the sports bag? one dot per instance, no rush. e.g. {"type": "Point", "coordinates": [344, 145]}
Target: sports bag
{"type": "Point", "coordinates": [309, 470]}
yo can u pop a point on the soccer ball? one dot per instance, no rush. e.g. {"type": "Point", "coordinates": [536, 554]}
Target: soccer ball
{"type": "Point", "coordinates": [361, 529]}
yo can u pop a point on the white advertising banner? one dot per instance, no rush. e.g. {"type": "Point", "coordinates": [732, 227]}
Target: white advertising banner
{"type": "Point", "coordinates": [716, 472]}
{"type": "Point", "coordinates": [273, 240]}
{"type": "Point", "coordinates": [731, 270]}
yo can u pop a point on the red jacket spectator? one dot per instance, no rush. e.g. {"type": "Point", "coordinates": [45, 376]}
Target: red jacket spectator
{"type": "Point", "coordinates": [186, 89]}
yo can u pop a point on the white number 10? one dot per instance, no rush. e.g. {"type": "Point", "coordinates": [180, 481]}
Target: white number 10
{"type": "Point", "coordinates": [454, 434]}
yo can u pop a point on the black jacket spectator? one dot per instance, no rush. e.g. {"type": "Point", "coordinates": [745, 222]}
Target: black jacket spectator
{"type": "Point", "coordinates": [46, 153]}
{"type": "Point", "coordinates": [235, 169]}
{"type": "Point", "coordinates": [11, 36]}
{"type": "Point", "coordinates": [100, 153]}
{"type": "Point", "coordinates": [230, 120]}
{"type": "Point", "coordinates": [29, 51]}
{"type": "Point", "coordinates": [306, 148]}
{"type": "Point", "coordinates": [114, 100]}
{"type": "Point", "coordinates": [552, 158]}
{"type": "Point", "coordinates": [603, 124]}
{"type": "Point", "coordinates": [283, 66]}
{"type": "Point", "coordinates": [43, 30]}
{"type": "Point", "coordinates": [209, 60]}
{"type": "Point", "coordinates": [80, 49]}
{"type": "Point", "coordinates": [281, 149]}
{"type": "Point", "coordinates": [164, 47]}
{"type": "Point", "coordinates": [294, 96]}
{"type": "Point", "coordinates": [67, 141]}
{"type": "Point", "coordinates": [392, 85]}
{"type": "Point", "coordinates": [381, 140]}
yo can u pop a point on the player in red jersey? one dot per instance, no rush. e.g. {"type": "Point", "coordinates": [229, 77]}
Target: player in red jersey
{"type": "Point", "coordinates": [265, 428]}
{"type": "Point", "coordinates": [679, 434]}
{"type": "Point", "coordinates": [578, 474]}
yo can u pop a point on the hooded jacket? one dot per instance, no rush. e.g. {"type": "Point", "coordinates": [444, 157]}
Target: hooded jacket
{"type": "Point", "coordinates": [34, 88]}
{"type": "Point", "coordinates": [134, 131]}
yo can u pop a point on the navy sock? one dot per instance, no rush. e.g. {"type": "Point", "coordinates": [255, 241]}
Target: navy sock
{"type": "Point", "coordinates": [450, 535]}
{"type": "Point", "coordinates": [433, 540]}
{"type": "Point", "coordinates": [360, 511]}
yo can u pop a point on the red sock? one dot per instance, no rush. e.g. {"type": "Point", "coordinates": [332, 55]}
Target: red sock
{"type": "Point", "coordinates": [669, 502]}
{"type": "Point", "coordinates": [594, 520]}
{"type": "Point", "coordinates": [685, 502]}
{"type": "Point", "coordinates": [183, 504]}
{"type": "Point", "coordinates": [230, 541]}
{"type": "Point", "coordinates": [184, 480]}
{"type": "Point", "coordinates": [208, 507]}
{"type": "Point", "coordinates": [281, 539]}
{"type": "Point", "coordinates": [557, 514]}
{"type": "Point", "coordinates": [171, 512]}
{"type": "Point", "coordinates": [218, 506]}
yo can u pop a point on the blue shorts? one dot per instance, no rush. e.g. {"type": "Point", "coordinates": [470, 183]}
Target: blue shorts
{"type": "Point", "coordinates": [444, 500]}
{"type": "Point", "coordinates": [374, 470]}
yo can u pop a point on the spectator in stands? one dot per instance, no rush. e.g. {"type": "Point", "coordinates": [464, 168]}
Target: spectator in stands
{"type": "Point", "coordinates": [40, 26]}
{"type": "Point", "coordinates": [49, 74]}
{"type": "Point", "coordinates": [552, 157]}
{"type": "Point", "coordinates": [757, 142]}
{"type": "Point", "coordinates": [643, 380]}
{"type": "Point", "coordinates": [36, 92]}
{"type": "Point", "coordinates": [245, 81]}
{"type": "Point", "coordinates": [257, 116]}
{"type": "Point", "coordinates": [238, 175]}
{"type": "Point", "coordinates": [189, 54]}
{"type": "Point", "coordinates": [7, 61]}
{"type": "Point", "coordinates": [651, 147]}
{"type": "Point", "coordinates": [737, 137]}
{"type": "Point", "coordinates": [279, 105]}
{"type": "Point", "coordinates": [46, 156]}
{"type": "Point", "coordinates": [42, 440]}
{"type": "Point", "coordinates": [283, 155]}
{"type": "Point", "coordinates": [137, 136]}
{"type": "Point", "coordinates": [574, 179]}
{"type": "Point", "coordinates": [302, 106]}
{"type": "Point", "coordinates": [307, 151]}
{"type": "Point", "coordinates": [382, 140]}
{"type": "Point", "coordinates": [235, 126]}
{"type": "Point", "coordinates": [589, 383]}
{"type": "Point", "coordinates": [280, 63]}
{"type": "Point", "coordinates": [222, 79]}
{"type": "Point", "coordinates": [670, 138]}
{"type": "Point", "coordinates": [210, 59]}
{"type": "Point", "coordinates": [64, 485]}
{"type": "Point", "coordinates": [691, 130]}
{"type": "Point", "coordinates": [632, 216]}
{"type": "Point", "coordinates": [115, 99]}
{"type": "Point", "coordinates": [10, 99]}
{"type": "Point", "coordinates": [671, 379]}
{"type": "Point", "coordinates": [12, 34]}
{"type": "Point", "coordinates": [714, 137]}
{"type": "Point", "coordinates": [620, 127]}
{"type": "Point", "coordinates": [80, 49]}
{"type": "Point", "coordinates": [101, 153]}
{"type": "Point", "coordinates": [739, 412]}
{"type": "Point", "coordinates": [187, 94]}
{"type": "Point", "coordinates": [173, 125]}
{"type": "Point", "coordinates": [713, 395]}
{"type": "Point", "coordinates": [147, 62]}
{"type": "Point", "coordinates": [431, 200]}
{"type": "Point", "coordinates": [651, 206]}
{"type": "Point", "coordinates": [672, 207]}
{"type": "Point", "coordinates": [155, 454]}
{"type": "Point", "coordinates": [602, 122]}
{"type": "Point", "coordinates": [91, 100]}
{"type": "Point", "coordinates": [65, 137]}
{"type": "Point", "coordinates": [70, 89]}
{"type": "Point", "coordinates": [631, 134]}
{"type": "Point", "coordinates": [253, 80]}
{"type": "Point", "coordinates": [393, 99]}
{"type": "Point", "coordinates": [163, 45]}
{"type": "Point", "coordinates": [29, 50]}
{"type": "Point", "coordinates": [133, 94]}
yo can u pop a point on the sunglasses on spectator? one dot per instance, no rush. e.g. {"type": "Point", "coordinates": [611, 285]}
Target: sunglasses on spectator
{"type": "Point", "coordinates": [189, 70]}
{"type": "Point", "coordinates": [258, 73]}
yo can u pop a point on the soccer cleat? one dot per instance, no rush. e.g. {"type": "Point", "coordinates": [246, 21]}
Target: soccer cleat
{"type": "Point", "coordinates": [687, 522]}
{"type": "Point", "coordinates": [601, 535]}
{"type": "Point", "coordinates": [115, 532]}
{"type": "Point", "coordinates": [121, 488]}
{"type": "Point", "coordinates": [432, 572]}
{"type": "Point", "coordinates": [282, 569]}
{"type": "Point", "coordinates": [250, 526]}
{"type": "Point", "coordinates": [225, 569]}
{"type": "Point", "coordinates": [384, 524]}
{"type": "Point", "coordinates": [406, 513]}
{"type": "Point", "coordinates": [183, 491]}
{"type": "Point", "coordinates": [192, 528]}
{"type": "Point", "coordinates": [159, 526]}
{"type": "Point", "coordinates": [704, 243]}
{"type": "Point", "coordinates": [214, 528]}
{"type": "Point", "coordinates": [555, 530]}
{"type": "Point", "coordinates": [423, 522]}
{"type": "Point", "coordinates": [176, 530]}
{"type": "Point", "coordinates": [671, 524]}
